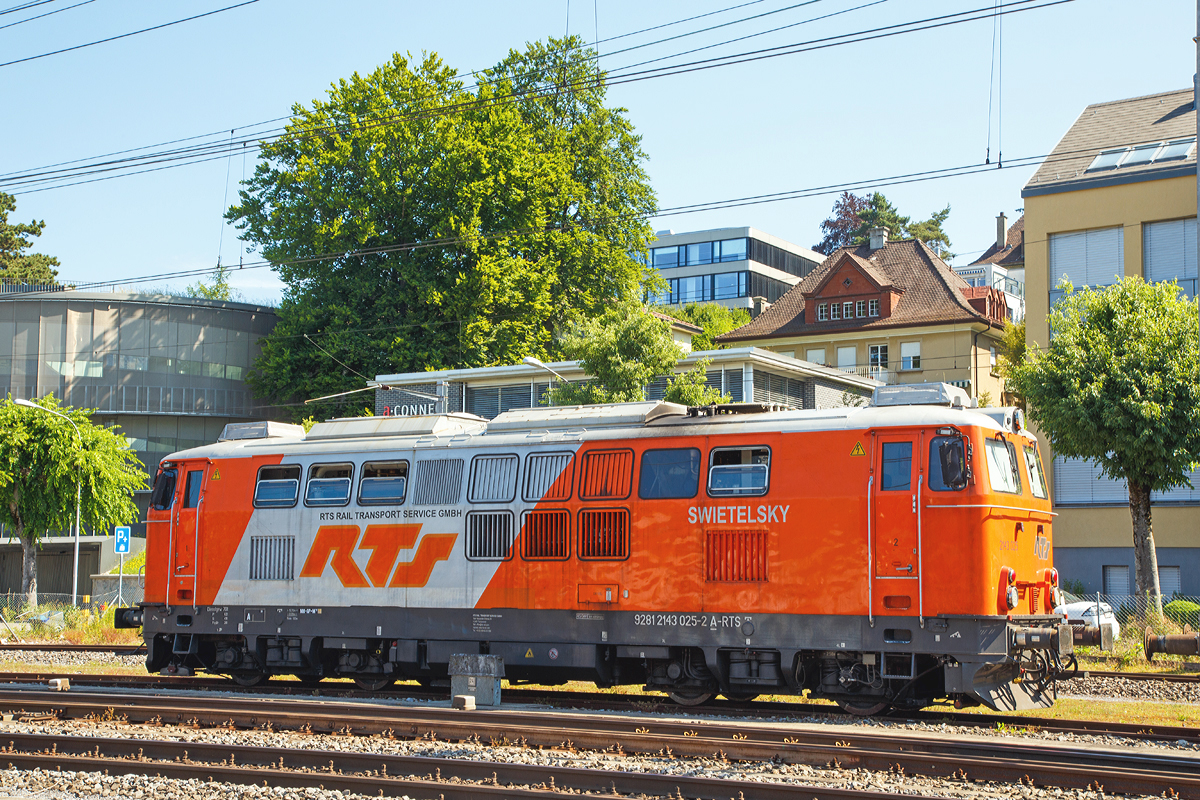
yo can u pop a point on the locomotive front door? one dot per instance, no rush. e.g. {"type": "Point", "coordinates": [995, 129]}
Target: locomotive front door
{"type": "Point", "coordinates": [895, 502]}
{"type": "Point", "coordinates": [186, 534]}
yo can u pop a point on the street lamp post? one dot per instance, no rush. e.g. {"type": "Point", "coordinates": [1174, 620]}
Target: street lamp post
{"type": "Point", "coordinates": [535, 362]}
{"type": "Point", "coordinates": [78, 490]}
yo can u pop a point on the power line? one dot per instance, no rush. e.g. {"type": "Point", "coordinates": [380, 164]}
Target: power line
{"type": "Point", "coordinates": [47, 14]}
{"type": "Point", "coordinates": [25, 6]}
{"type": "Point", "coordinates": [124, 35]}
{"type": "Point", "coordinates": [203, 152]}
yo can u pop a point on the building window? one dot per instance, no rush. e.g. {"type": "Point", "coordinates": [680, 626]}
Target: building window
{"type": "Point", "coordinates": [873, 306]}
{"type": "Point", "coordinates": [835, 310]}
{"type": "Point", "coordinates": [910, 355]}
{"type": "Point", "coordinates": [1168, 581]}
{"type": "Point", "coordinates": [1116, 580]}
{"type": "Point", "coordinates": [733, 250]}
{"type": "Point", "coordinates": [815, 356]}
{"type": "Point", "coordinates": [860, 308]}
{"type": "Point", "coordinates": [662, 257]}
{"type": "Point", "coordinates": [848, 309]}
{"type": "Point", "coordinates": [878, 356]}
{"type": "Point", "coordinates": [1169, 249]}
{"type": "Point", "coordinates": [699, 253]}
{"type": "Point", "coordinates": [822, 312]}
{"type": "Point", "coordinates": [847, 358]}
{"type": "Point", "coordinates": [1093, 258]}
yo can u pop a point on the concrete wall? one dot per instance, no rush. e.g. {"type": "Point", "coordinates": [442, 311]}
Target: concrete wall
{"type": "Point", "coordinates": [1128, 205]}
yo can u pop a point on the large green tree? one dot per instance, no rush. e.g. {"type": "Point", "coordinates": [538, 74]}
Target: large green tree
{"type": "Point", "coordinates": [854, 216]}
{"type": "Point", "coordinates": [17, 265]}
{"type": "Point", "coordinates": [420, 224]}
{"type": "Point", "coordinates": [43, 460]}
{"type": "Point", "coordinates": [1117, 385]}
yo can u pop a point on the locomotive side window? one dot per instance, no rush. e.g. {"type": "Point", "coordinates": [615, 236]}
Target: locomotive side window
{"type": "Point", "coordinates": [739, 471]}
{"type": "Point", "coordinates": [383, 483]}
{"type": "Point", "coordinates": [439, 482]}
{"type": "Point", "coordinates": [277, 487]}
{"type": "Point", "coordinates": [493, 479]}
{"type": "Point", "coordinates": [191, 496]}
{"type": "Point", "coordinates": [947, 464]}
{"type": "Point", "coordinates": [1002, 466]}
{"type": "Point", "coordinates": [669, 474]}
{"type": "Point", "coordinates": [897, 466]}
{"type": "Point", "coordinates": [1037, 479]}
{"type": "Point", "coordinates": [163, 496]}
{"type": "Point", "coordinates": [328, 485]}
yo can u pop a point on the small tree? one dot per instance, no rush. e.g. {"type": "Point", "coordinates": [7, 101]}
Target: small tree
{"type": "Point", "coordinates": [16, 264]}
{"type": "Point", "coordinates": [42, 463]}
{"type": "Point", "coordinates": [623, 350]}
{"type": "Point", "coordinates": [691, 388]}
{"type": "Point", "coordinates": [1012, 354]}
{"type": "Point", "coordinates": [1118, 385]}
{"type": "Point", "coordinates": [218, 289]}
{"type": "Point", "coordinates": [714, 318]}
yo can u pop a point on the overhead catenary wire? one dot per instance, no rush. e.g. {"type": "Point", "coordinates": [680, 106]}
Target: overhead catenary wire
{"type": "Point", "coordinates": [24, 182]}
{"type": "Point", "coordinates": [47, 14]}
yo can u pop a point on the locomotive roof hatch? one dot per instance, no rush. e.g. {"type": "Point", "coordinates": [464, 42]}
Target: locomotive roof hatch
{"type": "Point", "coordinates": [425, 425]}
{"type": "Point", "coordinates": [579, 417]}
{"type": "Point", "coordinates": [237, 431]}
{"type": "Point", "coordinates": [922, 394]}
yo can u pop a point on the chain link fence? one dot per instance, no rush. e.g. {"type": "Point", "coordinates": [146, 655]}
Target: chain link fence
{"type": "Point", "coordinates": [1135, 612]}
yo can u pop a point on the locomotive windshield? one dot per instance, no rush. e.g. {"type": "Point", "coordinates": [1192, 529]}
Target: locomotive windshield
{"type": "Point", "coordinates": [1037, 480]}
{"type": "Point", "coordinates": [947, 464]}
{"type": "Point", "coordinates": [1002, 466]}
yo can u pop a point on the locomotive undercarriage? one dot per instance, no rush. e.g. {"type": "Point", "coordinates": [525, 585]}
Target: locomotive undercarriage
{"type": "Point", "coordinates": [867, 669]}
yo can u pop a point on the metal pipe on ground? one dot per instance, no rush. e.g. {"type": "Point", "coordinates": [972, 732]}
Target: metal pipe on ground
{"type": "Point", "coordinates": [1181, 644]}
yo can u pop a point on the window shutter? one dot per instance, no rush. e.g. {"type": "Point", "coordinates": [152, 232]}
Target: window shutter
{"type": "Point", "coordinates": [1180, 494]}
{"type": "Point", "coordinates": [1079, 482]}
{"type": "Point", "coordinates": [1168, 581]}
{"type": "Point", "coordinates": [1087, 258]}
{"type": "Point", "coordinates": [1116, 580]}
{"type": "Point", "coordinates": [1169, 250]}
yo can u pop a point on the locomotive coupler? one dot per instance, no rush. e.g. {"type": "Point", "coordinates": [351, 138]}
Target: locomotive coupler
{"type": "Point", "coordinates": [1058, 638]}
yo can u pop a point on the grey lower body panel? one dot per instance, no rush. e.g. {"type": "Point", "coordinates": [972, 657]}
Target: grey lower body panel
{"type": "Point", "coordinates": [974, 651]}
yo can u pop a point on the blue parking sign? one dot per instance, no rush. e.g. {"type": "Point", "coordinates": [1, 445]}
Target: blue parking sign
{"type": "Point", "coordinates": [122, 544]}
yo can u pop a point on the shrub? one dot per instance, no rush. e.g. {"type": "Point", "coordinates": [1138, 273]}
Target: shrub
{"type": "Point", "coordinates": [1183, 612]}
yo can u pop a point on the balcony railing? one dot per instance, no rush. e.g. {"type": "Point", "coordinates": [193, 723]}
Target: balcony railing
{"type": "Point", "coordinates": [882, 374]}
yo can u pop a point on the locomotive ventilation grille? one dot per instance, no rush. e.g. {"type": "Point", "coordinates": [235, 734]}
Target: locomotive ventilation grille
{"type": "Point", "coordinates": [493, 479]}
{"type": "Point", "coordinates": [542, 471]}
{"type": "Point", "coordinates": [606, 475]}
{"type": "Point", "coordinates": [546, 535]}
{"type": "Point", "coordinates": [604, 533]}
{"type": "Point", "coordinates": [272, 558]}
{"type": "Point", "coordinates": [735, 556]}
{"type": "Point", "coordinates": [438, 482]}
{"type": "Point", "coordinates": [489, 535]}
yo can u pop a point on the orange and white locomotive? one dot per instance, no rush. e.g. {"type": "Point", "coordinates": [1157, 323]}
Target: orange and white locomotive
{"type": "Point", "coordinates": [889, 555]}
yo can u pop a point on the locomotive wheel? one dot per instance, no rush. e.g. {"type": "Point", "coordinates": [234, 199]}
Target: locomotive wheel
{"type": "Point", "coordinates": [372, 683]}
{"type": "Point", "coordinates": [249, 679]}
{"type": "Point", "coordinates": [738, 697]}
{"type": "Point", "coordinates": [692, 698]}
{"type": "Point", "coordinates": [863, 708]}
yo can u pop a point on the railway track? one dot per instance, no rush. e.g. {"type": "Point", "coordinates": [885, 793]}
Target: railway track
{"type": "Point", "coordinates": [606, 702]}
{"type": "Point", "coordinates": [116, 649]}
{"type": "Point", "coordinates": [1031, 763]}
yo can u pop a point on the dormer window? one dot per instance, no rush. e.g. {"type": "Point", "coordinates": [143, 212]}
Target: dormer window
{"type": "Point", "coordinates": [835, 310]}
{"type": "Point", "coordinates": [848, 309]}
{"type": "Point", "coordinates": [860, 308]}
{"type": "Point", "coordinates": [873, 309]}
{"type": "Point", "coordinates": [822, 312]}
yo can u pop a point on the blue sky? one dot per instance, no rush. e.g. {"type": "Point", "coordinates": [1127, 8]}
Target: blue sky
{"type": "Point", "coordinates": [862, 111]}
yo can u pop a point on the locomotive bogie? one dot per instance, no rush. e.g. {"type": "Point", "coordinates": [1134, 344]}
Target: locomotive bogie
{"type": "Point", "coordinates": [873, 556]}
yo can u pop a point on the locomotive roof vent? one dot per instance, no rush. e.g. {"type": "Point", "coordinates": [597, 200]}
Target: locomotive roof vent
{"type": "Point", "coordinates": [922, 394]}
{"type": "Point", "coordinates": [235, 431]}
{"type": "Point", "coordinates": [425, 425]}
{"type": "Point", "coordinates": [599, 416]}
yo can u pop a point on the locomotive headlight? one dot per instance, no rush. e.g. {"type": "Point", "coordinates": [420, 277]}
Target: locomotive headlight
{"type": "Point", "coordinates": [1052, 576]}
{"type": "Point", "coordinates": [1012, 575]}
{"type": "Point", "coordinates": [1012, 597]}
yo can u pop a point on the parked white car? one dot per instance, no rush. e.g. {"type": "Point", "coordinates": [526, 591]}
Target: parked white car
{"type": "Point", "coordinates": [1084, 612]}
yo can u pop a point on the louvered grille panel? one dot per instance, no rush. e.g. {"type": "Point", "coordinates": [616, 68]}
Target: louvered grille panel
{"type": "Point", "coordinates": [604, 533]}
{"type": "Point", "coordinates": [493, 479]}
{"type": "Point", "coordinates": [606, 475]}
{"type": "Point", "coordinates": [272, 558]}
{"type": "Point", "coordinates": [546, 535]}
{"type": "Point", "coordinates": [438, 482]}
{"type": "Point", "coordinates": [541, 473]}
{"type": "Point", "coordinates": [735, 556]}
{"type": "Point", "coordinates": [489, 535]}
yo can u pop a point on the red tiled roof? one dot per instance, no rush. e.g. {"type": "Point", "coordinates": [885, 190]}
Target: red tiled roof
{"type": "Point", "coordinates": [1013, 253]}
{"type": "Point", "coordinates": [932, 294]}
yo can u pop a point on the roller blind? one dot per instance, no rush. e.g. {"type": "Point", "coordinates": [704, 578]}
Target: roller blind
{"type": "Point", "coordinates": [1116, 580]}
{"type": "Point", "coordinates": [1168, 580]}
{"type": "Point", "coordinates": [1087, 258]}
{"type": "Point", "coordinates": [1170, 251]}
{"type": "Point", "coordinates": [1080, 482]}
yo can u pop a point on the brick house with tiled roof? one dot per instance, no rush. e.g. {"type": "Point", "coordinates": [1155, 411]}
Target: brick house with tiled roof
{"type": "Point", "coordinates": [890, 310]}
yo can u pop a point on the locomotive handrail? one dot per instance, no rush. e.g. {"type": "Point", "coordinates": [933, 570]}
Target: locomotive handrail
{"type": "Point", "coordinates": [991, 505]}
{"type": "Point", "coordinates": [870, 554]}
{"type": "Point", "coordinates": [920, 570]}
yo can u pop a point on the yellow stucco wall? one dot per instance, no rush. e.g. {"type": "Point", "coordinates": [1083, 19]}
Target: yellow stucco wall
{"type": "Point", "coordinates": [947, 352]}
{"type": "Point", "coordinates": [1128, 205]}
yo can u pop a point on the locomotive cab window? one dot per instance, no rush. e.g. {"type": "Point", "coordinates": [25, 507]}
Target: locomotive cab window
{"type": "Point", "coordinates": [163, 496]}
{"type": "Point", "coordinates": [328, 485]}
{"type": "Point", "coordinates": [1037, 478]}
{"type": "Point", "coordinates": [669, 474]}
{"type": "Point", "coordinates": [191, 494]}
{"type": "Point", "coordinates": [739, 471]}
{"type": "Point", "coordinates": [1002, 466]}
{"type": "Point", "coordinates": [277, 487]}
{"type": "Point", "coordinates": [383, 483]}
{"type": "Point", "coordinates": [947, 464]}
{"type": "Point", "coordinates": [896, 466]}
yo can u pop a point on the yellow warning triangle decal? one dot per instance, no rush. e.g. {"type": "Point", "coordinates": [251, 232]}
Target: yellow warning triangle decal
{"type": "Point", "coordinates": [216, 476]}
{"type": "Point", "coordinates": [529, 653]}
{"type": "Point", "coordinates": [858, 450]}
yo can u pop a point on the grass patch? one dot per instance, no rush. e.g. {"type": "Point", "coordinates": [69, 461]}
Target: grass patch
{"type": "Point", "coordinates": [132, 565]}
{"type": "Point", "coordinates": [1133, 712]}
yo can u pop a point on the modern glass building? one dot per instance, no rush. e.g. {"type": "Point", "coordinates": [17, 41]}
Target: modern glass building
{"type": "Point", "coordinates": [736, 267]}
{"type": "Point", "coordinates": [169, 371]}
